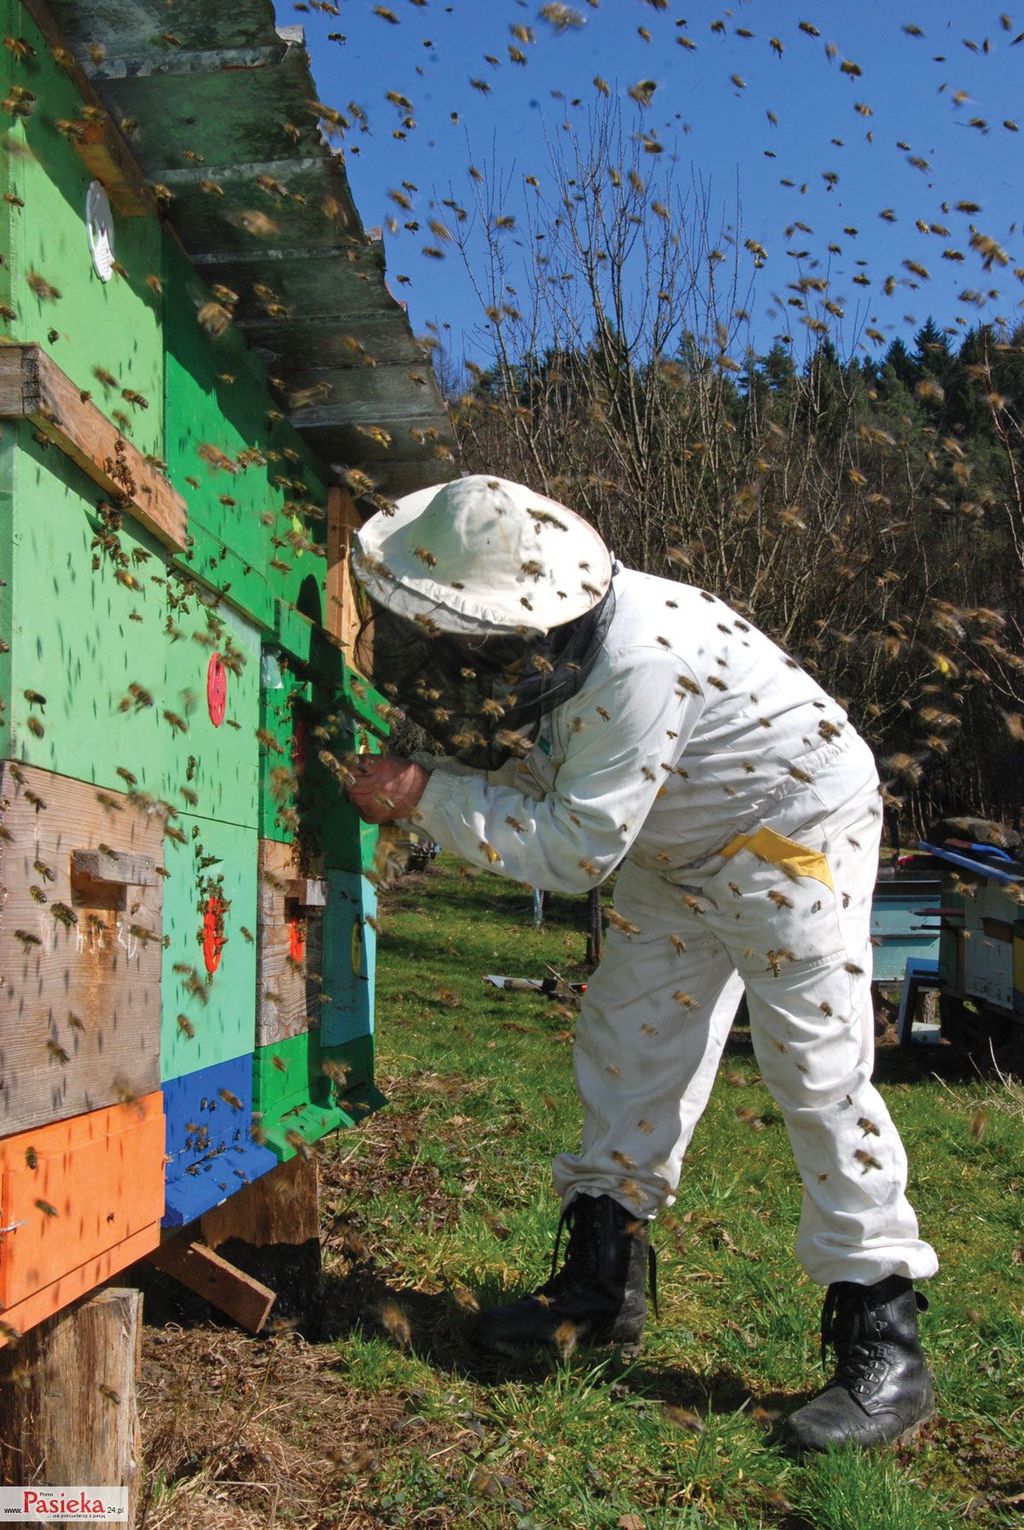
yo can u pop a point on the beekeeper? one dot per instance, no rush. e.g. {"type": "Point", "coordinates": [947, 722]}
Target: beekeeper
{"type": "Point", "coordinates": [594, 718]}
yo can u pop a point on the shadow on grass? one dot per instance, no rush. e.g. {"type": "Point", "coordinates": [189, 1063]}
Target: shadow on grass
{"type": "Point", "coordinates": [439, 1332]}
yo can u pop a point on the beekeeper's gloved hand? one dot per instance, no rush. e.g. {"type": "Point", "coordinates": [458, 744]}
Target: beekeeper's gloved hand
{"type": "Point", "coordinates": [386, 787]}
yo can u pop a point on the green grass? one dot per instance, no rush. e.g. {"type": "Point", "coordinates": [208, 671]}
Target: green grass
{"type": "Point", "coordinates": [449, 1191]}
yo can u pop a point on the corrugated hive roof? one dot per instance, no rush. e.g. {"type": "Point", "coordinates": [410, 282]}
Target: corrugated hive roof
{"type": "Point", "coordinates": [223, 98]}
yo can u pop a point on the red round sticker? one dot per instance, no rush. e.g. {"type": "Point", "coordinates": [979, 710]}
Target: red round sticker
{"type": "Point", "coordinates": [216, 689]}
{"type": "Point", "coordinates": [213, 931]}
{"type": "Point", "coordinates": [296, 940]}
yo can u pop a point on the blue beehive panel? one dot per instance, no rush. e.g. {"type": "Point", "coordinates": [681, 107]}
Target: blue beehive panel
{"type": "Point", "coordinates": [209, 1147]}
{"type": "Point", "coordinates": [349, 958]}
{"type": "Point", "coordinates": [904, 927]}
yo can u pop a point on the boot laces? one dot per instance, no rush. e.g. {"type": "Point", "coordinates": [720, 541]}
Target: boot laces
{"type": "Point", "coordinates": [850, 1326]}
{"type": "Point", "coordinates": [581, 1260]}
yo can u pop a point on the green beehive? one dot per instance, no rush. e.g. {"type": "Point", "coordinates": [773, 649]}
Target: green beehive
{"type": "Point", "coordinates": [209, 962]}
{"type": "Point", "coordinates": [247, 477]}
{"type": "Point", "coordinates": [187, 381]}
{"type": "Point", "coordinates": [105, 335]}
{"type": "Point", "coordinates": [303, 1091]}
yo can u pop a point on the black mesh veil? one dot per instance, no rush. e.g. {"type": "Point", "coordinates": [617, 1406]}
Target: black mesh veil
{"type": "Point", "coordinates": [480, 698]}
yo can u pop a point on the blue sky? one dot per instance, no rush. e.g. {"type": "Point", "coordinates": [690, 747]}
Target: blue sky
{"type": "Point", "coordinates": [943, 99]}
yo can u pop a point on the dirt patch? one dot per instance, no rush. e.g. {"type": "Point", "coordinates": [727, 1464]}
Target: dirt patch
{"type": "Point", "coordinates": [242, 1433]}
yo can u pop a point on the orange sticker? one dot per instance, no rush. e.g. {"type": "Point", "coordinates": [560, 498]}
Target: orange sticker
{"type": "Point", "coordinates": [214, 938]}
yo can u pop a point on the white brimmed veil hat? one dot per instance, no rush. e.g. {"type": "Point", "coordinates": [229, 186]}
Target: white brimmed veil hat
{"type": "Point", "coordinates": [488, 607]}
{"type": "Point", "coordinates": [483, 553]}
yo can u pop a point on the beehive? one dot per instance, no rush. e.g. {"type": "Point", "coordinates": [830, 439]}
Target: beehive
{"type": "Point", "coordinates": [185, 958]}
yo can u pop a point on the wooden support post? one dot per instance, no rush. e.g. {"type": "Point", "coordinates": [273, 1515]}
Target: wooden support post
{"type": "Point", "coordinates": [228, 1289]}
{"type": "Point", "coordinates": [68, 1409]}
{"type": "Point", "coordinates": [271, 1228]}
{"type": "Point", "coordinates": [341, 618]}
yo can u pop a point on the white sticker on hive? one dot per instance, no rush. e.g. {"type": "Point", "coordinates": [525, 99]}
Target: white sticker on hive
{"type": "Point", "coordinates": [99, 223]}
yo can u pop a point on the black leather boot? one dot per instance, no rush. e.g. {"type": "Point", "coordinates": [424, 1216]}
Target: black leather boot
{"type": "Point", "coordinates": [881, 1390]}
{"type": "Point", "coordinates": [597, 1297]}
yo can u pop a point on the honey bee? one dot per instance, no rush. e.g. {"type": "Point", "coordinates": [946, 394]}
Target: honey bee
{"type": "Point", "coordinates": [619, 923]}
{"type": "Point", "coordinates": [47, 1208]}
{"type": "Point", "coordinates": [43, 289]}
{"type": "Point", "coordinates": [868, 1127]}
{"type": "Point", "coordinates": [867, 1159]}
{"type": "Point", "coordinates": [396, 1323]}
{"type": "Point", "coordinates": [296, 1140]}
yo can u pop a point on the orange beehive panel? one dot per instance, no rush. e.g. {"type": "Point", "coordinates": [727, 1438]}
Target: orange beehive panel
{"type": "Point", "coordinates": [80, 947]}
{"type": "Point", "coordinates": [79, 1200]}
{"type": "Point", "coordinates": [289, 945]}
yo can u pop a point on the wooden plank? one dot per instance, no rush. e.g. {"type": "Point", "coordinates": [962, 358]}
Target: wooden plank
{"type": "Point", "coordinates": [281, 1207]}
{"type": "Point", "coordinates": [55, 406]}
{"type": "Point", "coordinates": [12, 388]}
{"type": "Point", "coordinates": [80, 961]}
{"type": "Point", "coordinates": [289, 947]}
{"type": "Point", "coordinates": [307, 892]}
{"type": "Point", "coordinates": [69, 1411]}
{"type": "Point", "coordinates": [80, 1200]}
{"type": "Point", "coordinates": [341, 617]}
{"type": "Point", "coordinates": [246, 1300]}
{"type": "Point", "coordinates": [130, 192]}
{"type": "Point", "coordinates": [114, 866]}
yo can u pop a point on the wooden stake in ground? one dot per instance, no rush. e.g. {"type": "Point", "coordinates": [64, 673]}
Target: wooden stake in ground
{"type": "Point", "coordinates": [68, 1409]}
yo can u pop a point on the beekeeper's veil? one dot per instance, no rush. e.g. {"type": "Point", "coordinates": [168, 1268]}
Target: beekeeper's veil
{"type": "Point", "coordinates": [487, 608]}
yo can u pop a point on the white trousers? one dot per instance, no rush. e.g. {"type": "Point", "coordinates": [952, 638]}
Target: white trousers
{"type": "Point", "coordinates": [783, 913]}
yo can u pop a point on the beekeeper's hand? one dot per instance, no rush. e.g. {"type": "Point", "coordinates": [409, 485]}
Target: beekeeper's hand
{"type": "Point", "coordinates": [386, 787]}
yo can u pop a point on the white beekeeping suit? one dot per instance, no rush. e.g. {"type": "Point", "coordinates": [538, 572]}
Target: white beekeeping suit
{"type": "Point", "coordinates": [741, 810]}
